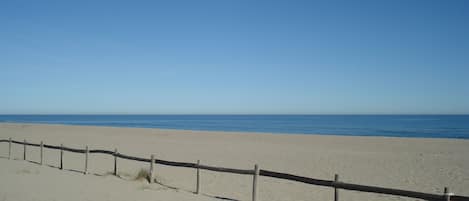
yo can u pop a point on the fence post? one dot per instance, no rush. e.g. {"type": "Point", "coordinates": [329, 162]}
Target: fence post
{"type": "Point", "coordinates": [254, 182]}
{"type": "Point", "coordinates": [336, 190]}
{"type": "Point", "coordinates": [152, 166]}
{"type": "Point", "coordinates": [115, 162]}
{"type": "Point", "coordinates": [9, 148]}
{"type": "Point", "coordinates": [87, 151]}
{"type": "Point", "coordinates": [24, 150]}
{"type": "Point", "coordinates": [197, 190]}
{"type": "Point", "coordinates": [42, 152]}
{"type": "Point", "coordinates": [61, 156]}
{"type": "Point", "coordinates": [447, 194]}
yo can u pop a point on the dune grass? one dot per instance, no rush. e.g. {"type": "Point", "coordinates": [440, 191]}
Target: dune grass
{"type": "Point", "coordinates": [143, 174]}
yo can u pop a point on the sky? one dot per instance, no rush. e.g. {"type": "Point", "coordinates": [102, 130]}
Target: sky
{"type": "Point", "coordinates": [234, 57]}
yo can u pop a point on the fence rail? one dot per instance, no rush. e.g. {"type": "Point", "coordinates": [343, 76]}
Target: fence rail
{"type": "Point", "coordinates": [255, 172]}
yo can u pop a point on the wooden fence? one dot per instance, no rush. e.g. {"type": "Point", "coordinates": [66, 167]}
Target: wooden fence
{"type": "Point", "coordinates": [256, 172]}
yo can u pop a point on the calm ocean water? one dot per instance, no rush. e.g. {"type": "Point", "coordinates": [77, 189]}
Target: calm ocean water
{"type": "Point", "coordinates": [436, 126]}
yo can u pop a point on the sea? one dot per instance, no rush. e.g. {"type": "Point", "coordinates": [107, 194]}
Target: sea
{"type": "Point", "coordinates": [423, 126]}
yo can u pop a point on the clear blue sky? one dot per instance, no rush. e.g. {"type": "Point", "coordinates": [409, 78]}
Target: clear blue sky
{"type": "Point", "coordinates": [234, 57]}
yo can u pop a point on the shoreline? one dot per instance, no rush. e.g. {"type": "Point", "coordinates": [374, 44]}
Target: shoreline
{"type": "Point", "coordinates": [237, 132]}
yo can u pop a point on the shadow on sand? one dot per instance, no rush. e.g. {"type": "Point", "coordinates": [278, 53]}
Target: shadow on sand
{"type": "Point", "coordinates": [189, 191]}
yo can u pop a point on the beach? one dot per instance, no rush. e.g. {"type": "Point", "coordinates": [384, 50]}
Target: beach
{"type": "Point", "coordinates": [418, 164]}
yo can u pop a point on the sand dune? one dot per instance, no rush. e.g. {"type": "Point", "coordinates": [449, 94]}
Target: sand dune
{"type": "Point", "coordinates": [425, 165]}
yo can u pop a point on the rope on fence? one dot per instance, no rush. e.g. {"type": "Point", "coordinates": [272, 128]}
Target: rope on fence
{"type": "Point", "coordinates": [354, 187]}
{"type": "Point", "coordinates": [261, 172]}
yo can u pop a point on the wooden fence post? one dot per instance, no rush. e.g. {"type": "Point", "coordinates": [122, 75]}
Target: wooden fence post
{"type": "Point", "coordinates": [87, 151]}
{"type": "Point", "coordinates": [42, 152]}
{"type": "Point", "coordinates": [336, 190]}
{"type": "Point", "coordinates": [115, 162]}
{"type": "Point", "coordinates": [447, 194]}
{"type": "Point", "coordinates": [152, 165]}
{"type": "Point", "coordinates": [197, 190]}
{"type": "Point", "coordinates": [61, 156]}
{"type": "Point", "coordinates": [9, 148]}
{"type": "Point", "coordinates": [24, 150]}
{"type": "Point", "coordinates": [254, 182]}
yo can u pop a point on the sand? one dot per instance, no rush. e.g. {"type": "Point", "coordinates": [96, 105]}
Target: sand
{"type": "Point", "coordinates": [426, 165]}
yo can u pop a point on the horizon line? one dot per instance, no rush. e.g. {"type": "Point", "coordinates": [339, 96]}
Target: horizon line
{"type": "Point", "coordinates": [223, 114]}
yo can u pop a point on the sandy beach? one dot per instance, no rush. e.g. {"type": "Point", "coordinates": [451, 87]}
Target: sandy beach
{"type": "Point", "coordinates": [420, 164]}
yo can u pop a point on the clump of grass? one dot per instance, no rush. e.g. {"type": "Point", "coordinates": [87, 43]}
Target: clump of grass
{"type": "Point", "coordinates": [143, 174]}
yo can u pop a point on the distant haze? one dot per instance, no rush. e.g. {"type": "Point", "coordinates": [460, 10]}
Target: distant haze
{"type": "Point", "coordinates": [234, 57]}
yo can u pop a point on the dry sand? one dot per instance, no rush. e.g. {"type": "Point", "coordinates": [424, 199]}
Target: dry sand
{"type": "Point", "coordinates": [425, 165]}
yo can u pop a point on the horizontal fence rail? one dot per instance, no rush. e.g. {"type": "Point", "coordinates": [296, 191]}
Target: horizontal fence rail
{"type": "Point", "coordinates": [261, 172]}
